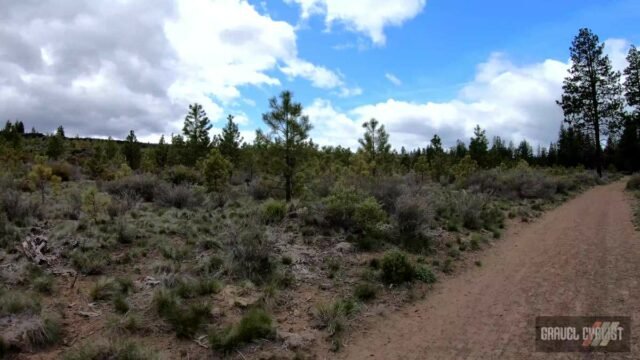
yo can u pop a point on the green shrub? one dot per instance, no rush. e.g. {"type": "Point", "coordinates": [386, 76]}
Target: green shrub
{"type": "Point", "coordinates": [274, 211]}
{"type": "Point", "coordinates": [334, 317]}
{"type": "Point", "coordinates": [108, 288]}
{"type": "Point", "coordinates": [255, 324]}
{"type": "Point", "coordinates": [143, 186]}
{"type": "Point", "coordinates": [413, 216]}
{"type": "Point", "coordinates": [43, 332]}
{"type": "Point", "coordinates": [365, 291]}
{"type": "Point", "coordinates": [424, 274]}
{"type": "Point", "coordinates": [178, 196]}
{"type": "Point", "coordinates": [634, 182]}
{"type": "Point", "coordinates": [188, 288]}
{"type": "Point", "coordinates": [17, 302]}
{"type": "Point", "coordinates": [252, 254]}
{"type": "Point", "coordinates": [180, 175]}
{"type": "Point", "coordinates": [396, 268]}
{"type": "Point", "coordinates": [43, 284]}
{"type": "Point", "coordinates": [120, 304]}
{"type": "Point", "coordinates": [350, 210]}
{"type": "Point", "coordinates": [186, 320]}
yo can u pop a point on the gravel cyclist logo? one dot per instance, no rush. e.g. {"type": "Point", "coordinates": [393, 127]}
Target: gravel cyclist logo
{"type": "Point", "coordinates": [583, 334]}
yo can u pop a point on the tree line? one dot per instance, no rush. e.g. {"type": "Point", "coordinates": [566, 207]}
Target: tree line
{"type": "Point", "coordinates": [596, 104]}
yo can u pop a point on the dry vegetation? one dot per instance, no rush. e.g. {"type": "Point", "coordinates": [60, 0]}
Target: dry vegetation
{"type": "Point", "coordinates": [153, 264]}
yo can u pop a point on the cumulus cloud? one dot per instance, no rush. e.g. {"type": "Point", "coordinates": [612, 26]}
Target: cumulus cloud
{"type": "Point", "coordinates": [368, 17]}
{"type": "Point", "coordinates": [514, 102]}
{"type": "Point", "coordinates": [103, 67]}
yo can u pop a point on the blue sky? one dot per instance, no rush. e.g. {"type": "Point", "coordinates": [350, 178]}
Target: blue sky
{"type": "Point", "coordinates": [101, 68]}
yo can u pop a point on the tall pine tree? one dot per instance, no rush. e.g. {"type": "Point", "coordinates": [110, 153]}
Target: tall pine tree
{"type": "Point", "coordinates": [229, 141]}
{"type": "Point", "coordinates": [592, 100]}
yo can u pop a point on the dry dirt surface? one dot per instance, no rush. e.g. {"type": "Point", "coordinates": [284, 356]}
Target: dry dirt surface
{"type": "Point", "coordinates": [582, 258]}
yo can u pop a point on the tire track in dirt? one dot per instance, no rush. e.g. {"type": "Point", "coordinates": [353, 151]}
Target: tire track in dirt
{"type": "Point", "coordinates": [582, 258]}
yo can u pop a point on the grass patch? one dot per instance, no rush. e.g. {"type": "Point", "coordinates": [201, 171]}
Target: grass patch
{"type": "Point", "coordinates": [255, 324]}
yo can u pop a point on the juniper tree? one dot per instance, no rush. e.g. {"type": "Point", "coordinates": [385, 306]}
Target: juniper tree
{"type": "Point", "coordinates": [196, 132]}
{"type": "Point", "coordinates": [290, 130]}
{"type": "Point", "coordinates": [591, 99]}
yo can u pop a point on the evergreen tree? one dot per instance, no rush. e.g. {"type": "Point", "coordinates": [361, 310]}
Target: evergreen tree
{"type": "Point", "coordinates": [216, 170]}
{"type": "Point", "coordinates": [592, 99]}
{"type": "Point", "coordinates": [632, 81]}
{"type": "Point", "coordinates": [196, 132]}
{"type": "Point", "coordinates": [524, 151]}
{"type": "Point", "coordinates": [55, 144]}
{"type": "Point", "coordinates": [478, 146]}
{"type": "Point", "coordinates": [628, 154]}
{"type": "Point", "coordinates": [229, 141]}
{"type": "Point", "coordinates": [161, 153]}
{"type": "Point", "coordinates": [291, 130]}
{"type": "Point", "coordinates": [111, 149]}
{"type": "Point", "coordinates": [375, 144]}
{"type": "Point", "coordinates": [131, 151]}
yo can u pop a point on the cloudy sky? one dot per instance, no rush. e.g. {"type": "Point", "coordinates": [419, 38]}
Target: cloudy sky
{"type": "Point", "coordinates": [103, 67]}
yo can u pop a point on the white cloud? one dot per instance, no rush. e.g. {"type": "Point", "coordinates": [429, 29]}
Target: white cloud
{"type": "Point", "coordinates": [393, 79]}
{"type": "Point", "coordinates": [369, 17]}
{"type": "Point", "coordinates": [319, 76]}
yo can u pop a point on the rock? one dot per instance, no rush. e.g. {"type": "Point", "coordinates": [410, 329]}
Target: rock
{"type": "Point", "coordinates": [326, 286]}
{"type": "Point", "coordinates": [343, 247]}
{"type": "Point", "coordinates": [88, 314]}
{"type": "Point", "coordinates": [294, 340]}
{"type": "Point", "coordinates": [151, 281]}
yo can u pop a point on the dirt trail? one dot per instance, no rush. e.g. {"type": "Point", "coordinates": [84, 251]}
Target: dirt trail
{"type": "Point", "coordinates": [582, 258]}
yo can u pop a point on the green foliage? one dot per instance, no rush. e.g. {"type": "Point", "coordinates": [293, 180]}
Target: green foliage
{"type": "Point", "coordinates": [413, 215]}
{"type": "Point", "coordinates": [42, 177]}
{"type": "Point", "coordinates": [196, 132]}
{"type": "Point", "coordinates": [255, 324]}
{"type": "Point", "coordinates": [91, 262]}
{"type": "Point", "coordinates": [334, 317]}
{"type": "Point", "coordinates": [274, 211]}
{"type": "Point", "coordinates": [252, 253]}
{"type": "Point", "coordinates": [95, 203]}
{"type": "Point", "coordinates": [55, 146]}
{"type": "Point", "coordinates": [229, 141]}
{"type": "Point", "coordinates": [351, 210]}
{"type": "Point", "coordinates": [290, 130]}
{"type": "Point", "coordinates": [16, 302]}
{"type": "Point", "coordinates": [180, 174]}
{"type": "Point", "coordinates": [216, 170]}
{"type": "Point", "coordinates": [375, 145]}
{"type": "Point", "coordinates": [365, 291]}
{"type": "Point", "coordinates": [186, 320]}
{"type": "Point", "coordinates": [425, 274]}
{"type": "Point", "coordinates": [464, 168]}
{"type": "Point", "coordinates": [396, 268]}
{"type": "Point", "coordinates": [131, 151]}
{"type": "Point", "coordinates": [592, 95]}
{"type": "Point", "coordinates": [43, 332]}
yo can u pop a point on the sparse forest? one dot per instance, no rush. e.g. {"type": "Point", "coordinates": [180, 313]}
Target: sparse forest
{"type": "Point", "coordinates": [201, 244]}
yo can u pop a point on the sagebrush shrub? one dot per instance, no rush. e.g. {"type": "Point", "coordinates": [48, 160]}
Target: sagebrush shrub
{"type": "Point", "coordinates": [178, 196]}
{"type": "Point", "coordinates": [353, 211]}
{"type": "Point", "coordinates": [18, 207]}
{"type": "Point", "coordinates": [251, 252]}
{"type": "Point", "coordinates": [144, 186]}
{"type": "Point", "coordinates": [413, 215]}
{"type": "Point", "coordinates": [396, 268]}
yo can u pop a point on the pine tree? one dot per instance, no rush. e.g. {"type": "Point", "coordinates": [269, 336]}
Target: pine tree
{"type": "Point", "coordinates": [131, 151]}
{"type": "Point", "coordinates": [229, 141]}
{"type": "Point", "coordinates": [216, 170]}
{"type": "Point", "coordinates": [632, 80]}
{"type": "Point", "coordinates": [479, 146]}
{"type": "Point", "coordinates": [291, 130]}
{"type": "Point", "coordinates": [196, 132]}
{"type": "Point", "coordinates": [161, 153]}
{"type": "Point", "coordinates": [55, 144]}
{"type": "Point", "coordinates": [592, 99]}
{"type": "Point", "coordinates": [375, 145]}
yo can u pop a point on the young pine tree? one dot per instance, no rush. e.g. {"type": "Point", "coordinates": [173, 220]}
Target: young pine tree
{"type": "Point", "coordinates": [131, 151]}
{"type": "Point", "coordinates": [229, 141]}
{"type": "Point", "coordinates": [196, 133]}
{"type": "Point", "coordinates": [592, 98]}
{"type": "Point", "coordinates": [375, 145]}
{"type": "Point", "coordinates": [290, 130]}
